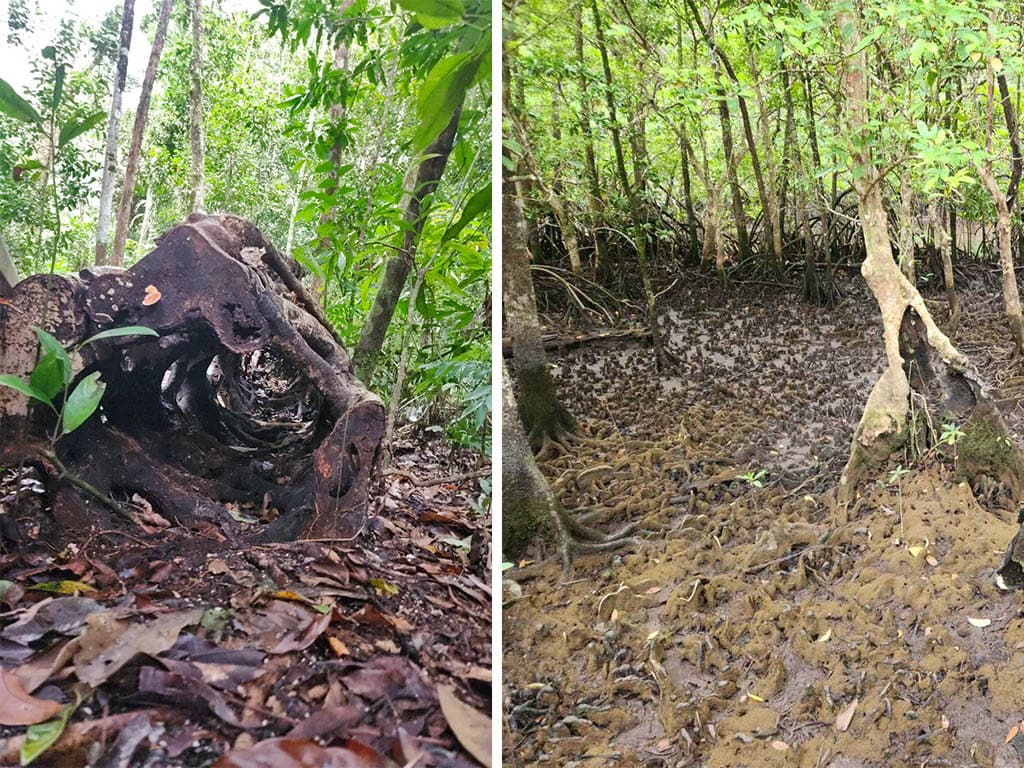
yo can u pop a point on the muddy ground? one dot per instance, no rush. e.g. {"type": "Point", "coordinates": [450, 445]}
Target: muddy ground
{"type": "Point", "coordinates": [180, 646]}
{"type": "Point", "coordinates": [758, 624]}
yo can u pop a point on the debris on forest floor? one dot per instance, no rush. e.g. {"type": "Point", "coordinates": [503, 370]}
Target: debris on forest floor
{"type": "Point", "coordinates": [761, 624]}
{"type": "Point", "coordinates": [181, 647]}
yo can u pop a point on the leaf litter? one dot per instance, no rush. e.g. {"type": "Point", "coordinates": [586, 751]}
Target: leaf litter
{"type": "Point", "coordinates": [755, 577]}
{"type": "Point", "coordinates": [206, 647]}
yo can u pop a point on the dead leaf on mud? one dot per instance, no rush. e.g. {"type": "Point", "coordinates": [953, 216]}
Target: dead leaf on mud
{"type": "Point", "coordinates": [845, 717]}
{"type": "Point", "coordinates": [62, 615]}
{"type": "Point", "coordinates": [307, 636]}
{"type": "Point", "coordinates": [781, 746]}
{"type": "Point", "coordinates": [1013, 733]}
{"type": "Point", "coordinates": [20, 708]}
{"type": "Point", "coordinates": [980, 623]}
{"type": "Point", "coordinates": [109, 644]}
{"type": "Point", "coordinates": [472, 728]}
{"type": "Point", "coordinates": [43, 666]}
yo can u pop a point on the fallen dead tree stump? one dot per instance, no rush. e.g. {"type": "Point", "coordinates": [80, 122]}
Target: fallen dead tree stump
{"type": "Point", "coordinates": [246, 396]}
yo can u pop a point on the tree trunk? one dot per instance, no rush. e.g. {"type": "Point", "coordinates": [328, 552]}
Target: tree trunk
{"type": "Point", "coordinates": [823, 208]}
{"type": "Point", "coordinates": [8, 270]}
{"type": "Point", "coordinates": [110, 153]}
{"type": "Point", "coordinates": [742, 238]}
{"type": "Point", "coordinates": [547, 422]}
{"type": "Point", "coordinates": [907, 227]}
{"type": "Point", "coordinates": [943, 242]}
{"type": "Point", "coordinates": [595, 202]}
{"type": "Point", "coordinates": [197, 183]}
{"type": "Point", "coordinates": [529, 509]}
{"type": "Point", "coordinates": [147, 221]}
{"type": "Point", "coordinates": [568, 230]}
{"type": "Point", "coordinates": [1003, 203]}
{"type": "Point", "coordinates": [420, 182]}
{"type": "Point", "coordinates": [920, 357]}
{"type": "Point", "coordinates": [693, 246]}
{"type": "Point", "coordinates": [1011, 296]}
{"type": "Point", "coordinates": [769, 188]}
{"type": "Point", "coordinates": [124, 209]}
{"type": "Point", "coordinates": [609, 94]}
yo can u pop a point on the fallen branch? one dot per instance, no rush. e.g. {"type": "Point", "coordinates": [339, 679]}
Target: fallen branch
{"type": "Point", "coordinates": [554, 341]}
{"type": "Point", "coordinates": [421, 483]}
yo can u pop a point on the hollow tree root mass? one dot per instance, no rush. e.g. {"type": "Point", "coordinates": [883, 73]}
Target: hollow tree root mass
{"type": "Point", "coordinates": [246, 396]}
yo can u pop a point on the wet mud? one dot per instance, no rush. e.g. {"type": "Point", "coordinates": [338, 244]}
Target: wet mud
{"type": "Point", "coordinates": [759, 624]}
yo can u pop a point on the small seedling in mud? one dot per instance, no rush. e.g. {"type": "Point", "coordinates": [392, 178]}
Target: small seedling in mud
{"type": "Point", "coordinates": [896, 478]}
{"type": "Point", "coordinates": [950, 435]}
{"type": "Point", "coordinates": [52, 376]}
{"type": "Point", "coordinates": [754, 479]}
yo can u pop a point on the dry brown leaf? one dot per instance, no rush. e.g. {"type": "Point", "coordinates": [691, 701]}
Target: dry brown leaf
{"type": "Point", "coordinates": [471, 728]}
{"type": "Point", "coordinates": [979, 622]}
{"type": "Point", "coordinates": [1013, 733]}
{"type": "Point", "coordinates": [20, 708]}
{"type": "Point", "coordinates": [108, 644]}
{"type": "Point", "coordinates": [781, 746]}
{"type": "Point", "coordinates": [845, 717]}
{"type": "Point", "coordinates": [339, 648]}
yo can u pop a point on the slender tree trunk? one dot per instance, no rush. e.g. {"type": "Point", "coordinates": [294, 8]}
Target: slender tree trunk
{"type": "Point", "coordinates": [639, 235]}
{"type": "Point", "coordinates": [589, 157]}
{"type": "Point", "coordinates": [742, 238]}
{"type": "Point", "coordinates": [1003, 202]}
{"type": "Point", "coordinates": [693, 247]}
{"type": "Point", "coordinates": [1011, 296]}
{"type": "Point", "coordinates": [197, 142]}
{"type": "Point", "coordinates": [943, 241]}
{"type": "Point", "coordinates": [769, 189]}
{"type": "Point", "coordinates": [595, 202]}
{"type": "Point", "coordinates": [718, 56]}
{"type": "Point", "coordinates": [8, 270]}
{"type": "Point", "coordinates": [883, 426]}
{"type": "Point", "coordinates": [110, 154]}
{"type": "Point", "coordinates": [420, 183]}
{"type": "Point", "coordinates": [124, 210]}
{"type": "Point", "coordinates": [907, 227]}
{"type": "Point", "coordinates": [147, 221]}
{"type": "Point", "coordinates": [824, 211]}
{"type": "Point", "coordinates": [609, 93]}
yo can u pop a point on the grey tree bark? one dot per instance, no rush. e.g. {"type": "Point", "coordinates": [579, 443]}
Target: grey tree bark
{"type": "Point", "coordinates": [197, 140]}
{"type": "Point", "coordinates": [113, 123]}
{"type": "Point", "coordinates": [131, 169]}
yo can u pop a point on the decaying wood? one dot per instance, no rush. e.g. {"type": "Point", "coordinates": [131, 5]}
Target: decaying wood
{"type": "Point", "coordinates": [246, 392]}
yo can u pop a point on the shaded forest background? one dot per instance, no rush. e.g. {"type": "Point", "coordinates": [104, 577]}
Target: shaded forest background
{"type": "Point", "coordinates": [646, 137]}
{"type": "Point", "coordinates": [309, 118]}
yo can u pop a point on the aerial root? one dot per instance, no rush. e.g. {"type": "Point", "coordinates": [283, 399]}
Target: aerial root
{"type": "Point", "coordinates": [552, 445]}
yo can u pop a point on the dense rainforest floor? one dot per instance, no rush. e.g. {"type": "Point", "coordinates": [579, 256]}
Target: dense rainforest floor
{"type": "Point", "coordinates": [760, 624]}
{"type": "Point", "coordinates": [200, 642]}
